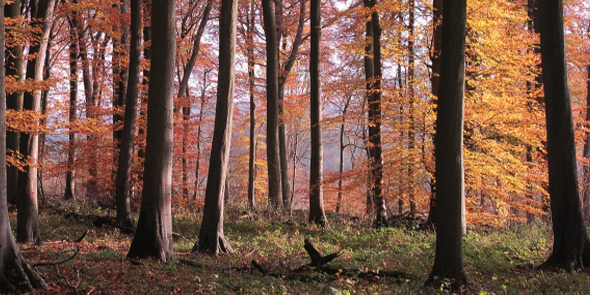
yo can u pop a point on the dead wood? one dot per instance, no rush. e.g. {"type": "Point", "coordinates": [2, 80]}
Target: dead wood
{"type": "Point", "coordinates": [319, 264]}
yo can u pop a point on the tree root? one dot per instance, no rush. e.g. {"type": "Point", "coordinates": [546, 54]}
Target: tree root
{"type": "Point", "coordinates": [319, 264]}
{"type": "Point", "coordinates": [71, 284]}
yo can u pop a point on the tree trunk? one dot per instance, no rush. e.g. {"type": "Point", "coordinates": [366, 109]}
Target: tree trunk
{"type": "Point", "coordinates": [153, 237]}
{"type": "Point", "coordinates": [341, 154]}
{"type": "Point", "coordinates": [284, 75]}
{"type": "Point", "coordinates": [374, 117]}
{"type": "Point", "coordinates": [411, 135]}
{"type": "Point", "coordinates": [272, 122]}
{"type": "Point", "coordinates": [316, 193]}
{"type": "Point", "coordinates": [123, 180]}
{"type": "Point", "coordinates": [570, 240]}
{"type": "Point", "coordinates": [448, 149]}
{"type": "Point", "coordinates": [16, 275]}
{"type": "Point", "coordinates": [586, 191]}
{"type": "Point", "coordinates": [199, 131]}
{"type": "Point", "coordinates": [120, 77]}
{"type": "Point", "coordinates": [251, 80]}
{"type": "Point", "coordinates": [70, 189]}
{"type": "Point", "coordinates": [28, 216]}
{"type": "Point", "coordinates": [435, 85]}
{"type": "Point", "coordinates": [14, 101]}
{"type": "Point", "coordinates": [211, 237]}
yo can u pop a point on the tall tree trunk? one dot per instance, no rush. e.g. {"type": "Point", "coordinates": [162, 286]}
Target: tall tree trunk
{"type": "Point", "coordinates": [448, 149]}
{"type": "Point", "coordinates": [570, 240]}
{"type": "Point", "coordinates": [251, 83]}
{"type": "Point", "coordinates": [272, 121]}
{"type": "Point", "coordinates": [199, 131]}
{"type": "Point", "coordinates": [123, 180]}
{"type": "Point", "coordinates": [16, 275]}
{"type": "Point", "coordinates": [586, 191]}
{"type": "Point", "coordinates": [120, 77]}
{"type": "Point", "coordinates": [284, 75]}
{"type": "Point", "coordinates": [374, 117]}
{"type": "Point", "coordinates": [435, 86]}
{"type": "Point", "coordinates": [341, 154]}
{"type": "Point", "coordinates": [70, 189]}
{"type": "Point", "coordinates": [27, 227]}
{"type": "Point", "coordinates": [14, 101]}
{"type": "Point", "coordinates": [211, 237]}
{"type": "Point", "coordinates": [411, 134]}
{"type": "Point", "coordinates": [316, 193]}
{"type": "Point", "coordinates": [153, 237]}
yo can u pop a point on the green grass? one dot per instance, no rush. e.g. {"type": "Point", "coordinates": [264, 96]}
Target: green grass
{"type": "Point", "coordinates": [498, 261]}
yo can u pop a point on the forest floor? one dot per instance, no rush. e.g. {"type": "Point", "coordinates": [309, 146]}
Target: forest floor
{"type": "Point", "coordinates": [497, 261]}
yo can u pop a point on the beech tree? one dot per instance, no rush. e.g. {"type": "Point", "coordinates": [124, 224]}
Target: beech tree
{"type": "Point", "coordinates": [448, 149]}
{"type": "Point", "coordinates": [15, 273]}
{"type": "Point", "coordinates": [211, 237]}
{"type": "Point", "coordinates": [316, 194]}
{"type": "Point", "coordinates": [27, 225]}
{"type": "Point", "coordinates": [123, 179]}
{"type": "Point", "coordinates": [153, 237]}
{"type": "Point", "coordinates": [571, 248]}
{"type": "Point", "coordinates": [272, 106]}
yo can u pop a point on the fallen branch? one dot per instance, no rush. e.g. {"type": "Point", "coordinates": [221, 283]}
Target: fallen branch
{"type": "Point", "coordinates": [57, 271]}
{"type": "Point", "coordinates": [319, 263]}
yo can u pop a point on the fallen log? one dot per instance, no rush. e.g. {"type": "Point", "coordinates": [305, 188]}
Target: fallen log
{"type": "Point", "coordinates": [319, 264]}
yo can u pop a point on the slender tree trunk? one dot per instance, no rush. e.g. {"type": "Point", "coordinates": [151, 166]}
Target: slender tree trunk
{"type": "Point", "coordinates": [211, 236]}
{"type": "Point", "coordinates": [448, 149]}
{"type": "Point", "coordinates": [341, 155]}
{"type": "Point", "coordinates": [272, 122]}
{"type": "Point", "coordinates": [586, 191]}
{"type": "Point", "coordinates": [284, 75]}
{"type": "Point", "coordinates": [16, 275]}
{"type": "Point", "coordinates": [570, 240]}
{"type": "Point", "coordinates": [14, 101]}
{"type": "Point", "coordinates": [374, 116]}
{"type": "Point", "coordinates": [27, 227]}
{"type": "Point", "coordinates": [120, 77]}
{"type": "Point", "coordinates": [316, 193]}
{"type": "Point", "coordinates": [123, 180]}
{"type": "Point", "coordinates": [411, 135]}
{"type": "Point", "coordinates": [153, 237]}
{"type": "Point", "coordinates": [251, 82]}
{"type": "Point", "coordinates": [199, 131]}
{"type": "Point", "coordinates": [435, 86]}
{"type": "Point", "coordinates": [70, 189]}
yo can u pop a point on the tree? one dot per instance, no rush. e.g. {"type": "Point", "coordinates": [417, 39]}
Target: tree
{"type": "Point", "coordinates": [69, 192]}
{"type": "Point", "coordinates": [153, 237]}
{"type": "Point", "coordinates": [14, 101]}
{"type": "Point", "coordinates": [374, 91]}
{"type": "Point", "coordinates": [211, 237]}
{"type": "Point", "coordinates": [250, 23]}
{"type": "Point", "coordinates": [586, 191]}
{"type": "Point", "coordinates": [272, 106]}
{"type": "Point", "coordinates": [123, 179]}
{"type": "Point", "coordinates": [448, 146]}
{"type": "Point", "coordinates": [27, 226]}
{"type": "Point", "coordinates": [316, 195]}
{"type": "Point", "coordinates": [571, 248]}
{"type": "Point", "coordinates": [15, 273]}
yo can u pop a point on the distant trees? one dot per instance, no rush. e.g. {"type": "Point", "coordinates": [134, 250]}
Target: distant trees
{"type": "Point", "coordinates": [153, 237]}
{"type": "Point", "coordinates": [571, 246]}
{"type": "Point", "coordinates": [211, 236]}
{"type": "Point", "coordinates": [448, 148]}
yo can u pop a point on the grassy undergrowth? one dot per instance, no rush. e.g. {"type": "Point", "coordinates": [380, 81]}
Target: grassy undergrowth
{"type": "Point", "coordinates": [496, 261]}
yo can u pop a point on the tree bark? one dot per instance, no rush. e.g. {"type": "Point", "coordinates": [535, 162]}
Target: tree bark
{"type": "Point", "coordinates": [120, 77]}
{"type": "Point", "coordinates": [316, 193]}
{"type": "Point", "coordinates": [153, 237]}
{"type": "Point", "coordinates": [70, 190]}
{"type": "Point", "coordinates": [211, 237]}
{"type": "Point", "coordinates": [199, 131]}
{"type": "Point", "coordinates": [272, 112]}
{"type": "Point", "coordinates": [448, 149]}
{"type": "Point", "coordinates": [14, 101]}
{"type": "Point", "coordinates": [435, 85]}
{"type": "Point", "coordinates": [374, 117]}
{"type": "Point", "coordinates": [586, 191]}
{"type": "Point", "coordinates": [123, 180]}
{"type": "Point", "coordinates": [16, 275]}
{"type": "Point", "coordinates": [411, 135]}
{"type": "Point", "coordinates": [570, 240]}
{"type": "Point", "coordinates": [27, 227]}
{"type": "Point", "coordinates": [251, 83]}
